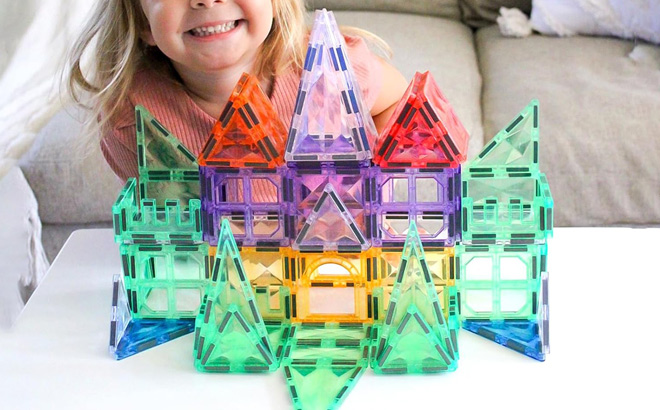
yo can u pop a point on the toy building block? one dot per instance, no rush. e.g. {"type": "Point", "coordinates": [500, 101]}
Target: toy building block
{"type": "Point", "coordinates": [323, 362]}
{"type": "Point", "coordinates": [167, 170]}
{"type": "Point", "coordinates": [131, 336]}
{"type": "Point", "coordinates": [165, 281]}
{"type": "Point", "coordinates": [499, 282]}
{"type": "Point", "coordinates": [330, 123]}
{"type": "Point", "coordinates": [152, 223]}
{"type": "Point", "coordinates": [248, 133]}
{"type": "Point", "coordinates": [430, 198]}
{"type": "Point", "coordinates": [505, 199]}
{"type": "Point", "coordinates": [423, 132]}
{"type": "Point", "coordinates": [329, 287]}
{"type": "Point", "coordinates": [251, 199]}
{"type": "Point", "coordinates": [515, 149]}
{"type": "Point", "coordinates": [415, 336]}
{"type": "Point", "coordinates": [330, 208]}
{"type": "Point", "coordinates": [265, 270]}
{"type": "Point", "coordinates": [330, 225]}
{"type": "Point", "coordinates": [230, 333]}
{"type": "Point", "coordinates": [383, 271]}
{"type": "Point", "coordinates": [502, 291]}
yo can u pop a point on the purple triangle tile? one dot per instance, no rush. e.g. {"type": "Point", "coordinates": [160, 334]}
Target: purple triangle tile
{"type": "Point", "coordinates": [330, 122]}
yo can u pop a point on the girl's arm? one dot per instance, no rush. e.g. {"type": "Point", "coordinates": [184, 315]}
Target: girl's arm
{"type": "Point", "coordinates": [393, 87]}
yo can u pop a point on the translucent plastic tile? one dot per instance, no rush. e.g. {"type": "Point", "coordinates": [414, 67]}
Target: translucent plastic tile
{"type": "Point", "coordinates": [165, 281]}
{"type": "Point", "coordinates": [167, 169]}
{"type": "Point", "coordinates": [330, 208]}
{"type": "Point", "coordinates": [383, 270]}
{"type": "Point", "coordinates": [506, 209]}
{"type": "Point", "coordinates": [323, 362]}
{"type": "Point", "coordinates": [424, 131]}
{"type": "Point", "coordinates": [329, 286]}
{"type": "Point", "coordinates": [330, 120]}
{"type": "Point", "coordinates": [523, 336]}
{"type": "Point", "coordinates": [131, 336]}
{"type": "Point", "coordinates": [231, 335]}
{"type": "Point", "coordinates": [415, 336]}
{"type": "Point", "coordinates": [544, 325]}
{"type": "Point", "coordinates": [248, 133]}
{"type": "Point", "coordinates": [516, 147]}
{"type": "Point", "coordinates": [505, 197]}
{"type": "Point", "coordinates": [502, 283]}
{"type": "Point", "coordinates": [251, 199]}
{"type": "Point", "coordinates": [429, 198]}
{"type": "Point", "coordinates": [121, 314]}
{"type": "Point", "coordinates": [265, 270]}
{"type": "Point", "coordinates": [330, 225]}
{"type": "Point", "coordinates": [150, 223]}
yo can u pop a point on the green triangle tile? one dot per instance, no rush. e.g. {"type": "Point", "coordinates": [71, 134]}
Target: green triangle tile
{"type": "Point", "coordinates": [167, 169]}
{"type": "Point", "coordinates": [320, 388]}
{"type": "Point", "coordinates": [229, 291]}
{"type": "Point", "coordinates": [415, 292]}
{"type": "Point", "coordinates": [233, 347]}
{"type": "Point", "coordinates": [414, 348]}
{"type": "Point", "coordinates": [158, 149]}
{"type": "Point", "coordinates": [516, 145]}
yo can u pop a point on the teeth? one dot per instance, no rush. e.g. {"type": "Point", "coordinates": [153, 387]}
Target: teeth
{"type": "Point", "coordinates": [208, 31]}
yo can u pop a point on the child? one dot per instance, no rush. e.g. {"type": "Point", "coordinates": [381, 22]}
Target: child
{"type": "Point", "coordinates": [182, 58]}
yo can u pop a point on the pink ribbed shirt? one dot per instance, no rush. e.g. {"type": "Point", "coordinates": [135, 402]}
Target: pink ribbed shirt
{"type": "Point", "coordinates": [170, 104]}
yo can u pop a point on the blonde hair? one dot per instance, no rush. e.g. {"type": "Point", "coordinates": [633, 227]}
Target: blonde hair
{"type": "Point", "coordinates": [113, 37]}
{"type": "Point", "coordinates": [118, 52]}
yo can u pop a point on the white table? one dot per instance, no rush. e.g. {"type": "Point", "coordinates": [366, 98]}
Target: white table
{"type": "Point", "coordinates": [604, 284]}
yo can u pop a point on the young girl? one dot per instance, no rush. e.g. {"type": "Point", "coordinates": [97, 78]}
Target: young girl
{"type": "Point", "coordinates": [182, 58]}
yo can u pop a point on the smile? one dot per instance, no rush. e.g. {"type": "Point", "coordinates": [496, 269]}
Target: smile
{"type": "Point", "coordinates": [211, 30]}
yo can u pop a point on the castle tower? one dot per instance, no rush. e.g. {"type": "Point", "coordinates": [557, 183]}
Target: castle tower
{"type": "Point", "coordinates": [507, 217]}
{"type": "Point", "coordinates": [165, 262]}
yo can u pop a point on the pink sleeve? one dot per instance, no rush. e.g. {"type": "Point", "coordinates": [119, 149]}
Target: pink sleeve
{"type": "Point", "coordinates": [367, 67]}
{"type": "Point", "coordinates": [119, 147]}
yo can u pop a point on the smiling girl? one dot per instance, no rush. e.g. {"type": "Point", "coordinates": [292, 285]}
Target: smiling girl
{"type": "Point", "coordinates": [182, 58]}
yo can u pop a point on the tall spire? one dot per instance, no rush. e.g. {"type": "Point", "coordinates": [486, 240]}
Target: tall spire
{"type": "Point", "coordinates": [330, 120]}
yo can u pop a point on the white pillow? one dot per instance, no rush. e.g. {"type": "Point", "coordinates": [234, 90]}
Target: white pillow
{"type": "Point", "coordinates": [621, 18]}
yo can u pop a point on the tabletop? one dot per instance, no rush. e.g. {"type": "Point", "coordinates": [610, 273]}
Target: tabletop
{"type": "Point", "coordinates": [603, 292]}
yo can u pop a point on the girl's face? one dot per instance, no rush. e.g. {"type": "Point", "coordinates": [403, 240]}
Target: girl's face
{"type": "Point", "coordinates": [208, 35]}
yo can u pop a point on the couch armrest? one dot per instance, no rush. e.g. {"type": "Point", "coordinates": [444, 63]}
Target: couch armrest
{"type": "Point", "coordinates": [23, 261]}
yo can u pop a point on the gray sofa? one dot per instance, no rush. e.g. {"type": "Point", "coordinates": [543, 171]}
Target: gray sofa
{"type": "Point", "coordinates": [599, 113]}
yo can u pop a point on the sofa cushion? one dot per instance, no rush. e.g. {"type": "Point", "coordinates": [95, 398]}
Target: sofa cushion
{"type": "Point", "coordinates": [443, 47]}
{"type": "Point", "coordinates": [599, 121]}
{"type": "Point", "coordinates": [438, 8]}
{"type": "Point", "coordinates": [72, 184]}
{"type": "Point", "coordinates": [480, 13]}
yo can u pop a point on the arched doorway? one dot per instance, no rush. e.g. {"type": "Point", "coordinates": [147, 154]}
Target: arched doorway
{"type": "Point", "coordinates": [331, 288]}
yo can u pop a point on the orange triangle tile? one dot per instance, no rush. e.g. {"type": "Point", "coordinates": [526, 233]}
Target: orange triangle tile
{"type": "Point", "coordinates": [249, 132]}
{"type": "Point", "coordinates": [424, 131]}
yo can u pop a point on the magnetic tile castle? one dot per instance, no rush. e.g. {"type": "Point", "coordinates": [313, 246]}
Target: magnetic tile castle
{"type": "Point", "coordinates": [329, 249]}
